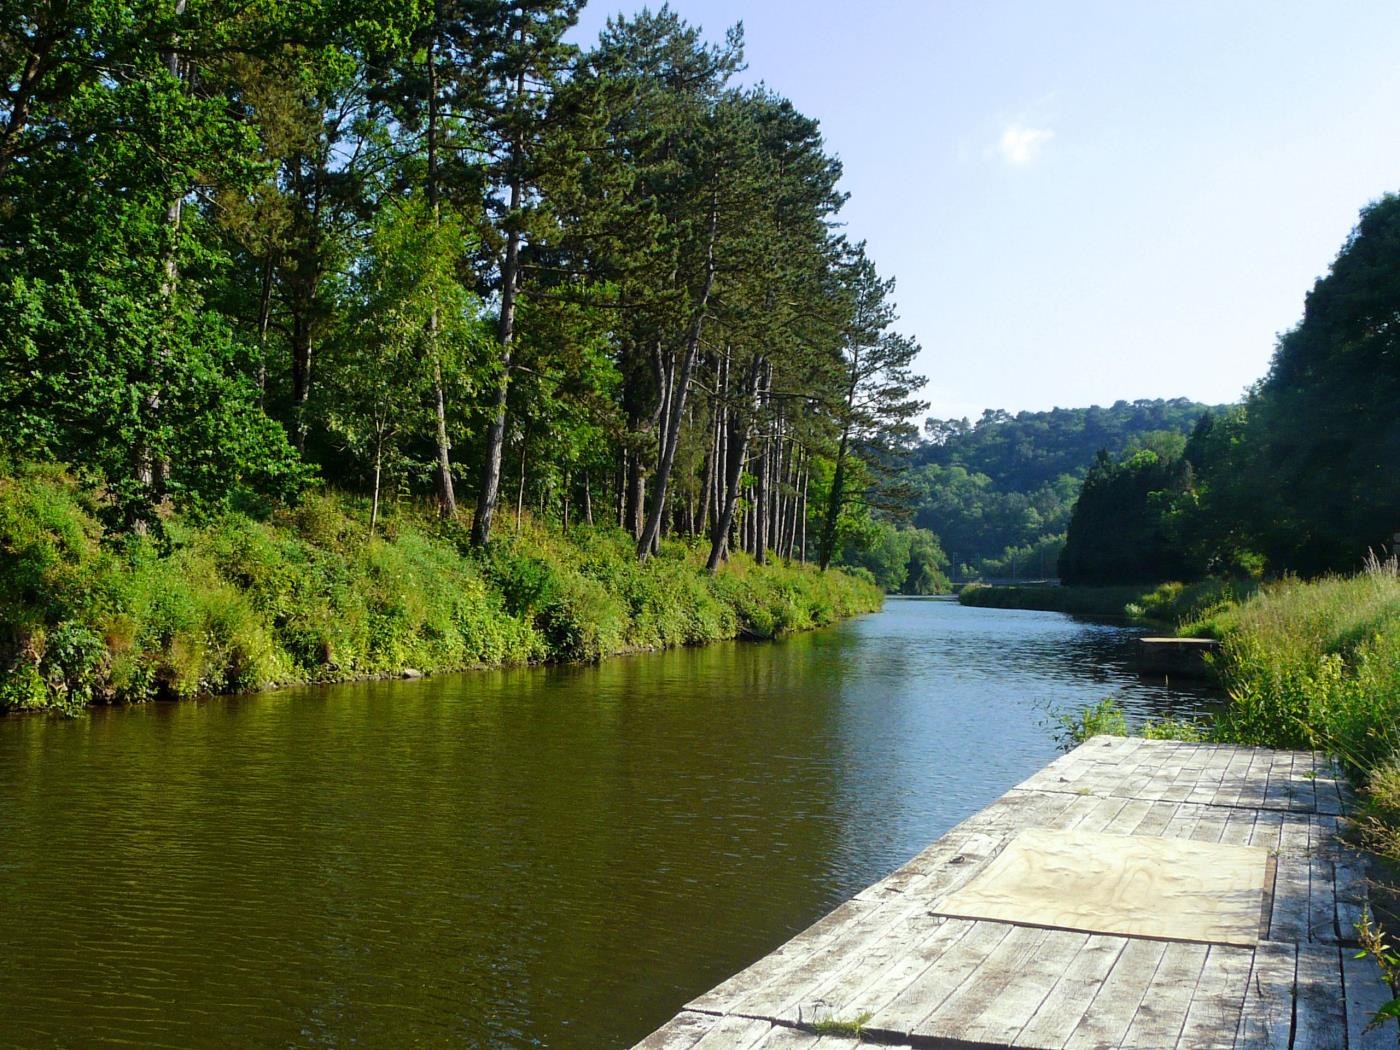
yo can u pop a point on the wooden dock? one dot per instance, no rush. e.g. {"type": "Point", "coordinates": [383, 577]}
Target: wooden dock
{"type": "Point", "coordinates": [1133, 893]}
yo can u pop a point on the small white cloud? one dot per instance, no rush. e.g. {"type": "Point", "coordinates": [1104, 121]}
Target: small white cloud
{"type": "Point", "coordinates": [1020, 144]}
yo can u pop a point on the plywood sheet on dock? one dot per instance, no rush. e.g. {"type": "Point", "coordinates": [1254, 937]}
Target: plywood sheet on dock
{"type": "Point", "coordinates": [1136, 885]}
{"type": "Point", "coordinates": [916, 964]}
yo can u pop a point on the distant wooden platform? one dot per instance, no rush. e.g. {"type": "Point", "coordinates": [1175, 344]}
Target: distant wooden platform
{"type": "Point", "coordinates": [911, 960]}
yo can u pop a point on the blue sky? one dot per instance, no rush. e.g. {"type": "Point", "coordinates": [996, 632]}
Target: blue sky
{"type": "Point", "coordinates": [1086, 201]}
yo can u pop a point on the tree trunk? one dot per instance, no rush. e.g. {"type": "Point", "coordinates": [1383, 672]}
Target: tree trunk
{"type": "Point", "coordinates": [374, 501]}
{"type": "Point", "coordinates": [802, 519]}
{"type": "Point", "coordinates": [738, 436]}
{"type": "Point", "coordinates": [505, 335]}
{"type": "Point", "coordinates": [636, 495]}
{"type": "Point", "coordinates": [264, 323]}
{"type": "Point", "coordinates": [833, 505]}
{"type": "Point", "coordinates": [520, 492]}
{"type": "Point", "coordinates": [587, 503]}
{"type": "Point", "coordinates": [760, 506]}
{"type": "Point", "coordinates": [651, 532]}
{"type": "Point", "coordinates": [447, 494]}
{"type": "Point", "coordinates": [151, 468]}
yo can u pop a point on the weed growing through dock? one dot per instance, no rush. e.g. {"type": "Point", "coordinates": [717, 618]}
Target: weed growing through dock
{"type": "Point", "coordinates": [853, 1027]}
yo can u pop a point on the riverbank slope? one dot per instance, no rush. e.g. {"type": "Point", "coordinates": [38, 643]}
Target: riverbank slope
{"type": "Point", "coordinates": [240, 602]}
{"type": "Point", "coordinates": [1162, 604]}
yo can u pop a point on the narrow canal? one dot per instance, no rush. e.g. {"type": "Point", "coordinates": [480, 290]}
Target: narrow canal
{"type": "Point", "coordinates": [554, 857]}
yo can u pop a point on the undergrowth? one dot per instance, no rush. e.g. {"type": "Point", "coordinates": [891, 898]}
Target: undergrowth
{"type": "Point", "coordinates": [305, 594]}
{"type": "Point", "coordinates": [1162, 604]}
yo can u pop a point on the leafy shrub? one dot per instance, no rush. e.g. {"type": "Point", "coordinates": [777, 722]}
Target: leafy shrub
{"type": "Point", "coordinates": [233, 603]}
{"type": "Point", "coordinates": [1106, 718]}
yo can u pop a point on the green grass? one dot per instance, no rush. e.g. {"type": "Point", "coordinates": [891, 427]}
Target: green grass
{"type": "Point", "coordinates": [306, 595]}
{"type": "Point", "coordinates": [1304, 664]}
{"type": "Point", "coordinates": [853, 1027]}
{"type": "Point", "coordinates": [1163, 604]}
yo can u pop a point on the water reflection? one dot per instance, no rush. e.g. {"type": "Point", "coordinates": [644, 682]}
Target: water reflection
{"type": "Point", "coordinates": [545, 857]}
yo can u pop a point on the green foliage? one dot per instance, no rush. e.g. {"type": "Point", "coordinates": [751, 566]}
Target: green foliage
{"type": "Point", "coordinates": [235, 603]}
{"type": "Point", "coordinates": [1375, 946]}
{"type": "Point", "coordinates": [851, 1027]}
{"type": "Point", "coordinates": [1105, 718]}
{"type": "Point", "coordinates": [1300, 478]}
{"type": "Point", "coordinates": [1316, 665]}
{"type": "Point", "coordinates": [900, 560]}
{"type": "Point", "coordinates": [1120, 531]}
{"type": "Point", "coordinates": [999, 492]}
{"type": "Point", "coordinates": [1185, 607]}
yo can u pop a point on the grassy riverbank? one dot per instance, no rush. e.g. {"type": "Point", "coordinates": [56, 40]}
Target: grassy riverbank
{"type": "Point", "coordinates": [1307, 664]}
{"type": "Point", "coordinates": [1163, 604]}
{"type": "Point", "coordinates": [304, 594]}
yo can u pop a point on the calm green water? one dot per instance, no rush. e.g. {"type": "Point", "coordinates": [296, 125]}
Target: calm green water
{"type": "Point", "coordinates": [546, 857]}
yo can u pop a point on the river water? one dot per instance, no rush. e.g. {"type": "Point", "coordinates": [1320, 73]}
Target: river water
{"type": "Point", "coordinates": [555, 857]}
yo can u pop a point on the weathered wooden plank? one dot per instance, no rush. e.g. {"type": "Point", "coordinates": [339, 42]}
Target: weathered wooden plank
{"type": "Point", "coordinates": [1256, 782]}
{"type": "Point", "coordinates": [1170, 770]}
{"type": "Point", "coordinates": [1236, 775]}
{"type": "Point", "coordinates": [1062, 1010]}
{"type": "Point", "coordinates": [1278, 793]}
{"type": "Point", "coordinates": [1306, 765]}
{"type": "Point", "coordinates": [1162, 1014]}
{"type": "Point", "coordinates": [1147, 762]}
{"type": "Point", "coordinates": [1106, 1021]}
{"type": "Point", "coordinates": [1331, 788]}
{"type": "Point", "coordinates": [724, 995]}
{"type": "Point", "coordinates": [1319, 1021]}
{"type": "Point", "coordinates": [787, 989]}
{"type": "Point", "coordinates": [1185, 780]}
{"type": "Point", "coordinates": [1352, 891]}
{"type": "Point", "coordinates": [1130, 817]}
{"type": "Point", "coordinates": [1101, 814]}
{"type": "Point", "coordinates": [1268, 826]}
{"type": "Point", "coordinates": [1266, 1022]}
{"type": "Point", "coordinates": [1366, 993]}
{"type": "Point", "coordinates": [1183, 821]}
{"type": "Point", "coordinates": [984, 986]}
{"type": "Point", "coordinates": [1288, 920]}
{"type": "Point", "coordinates": [1214, 1013]}
{"type": "Point", "coordinates": [1211, 824]}
{"type": "Point", "coordinates": [850, 996]}
{"type": "Point", "coordinates": [1007, 1013]}
{"type": "Point", "coordinates": [1322, 898]}
{"type": "Point", "coordinates": [1239, 827]}
{"type": "Point", "coordinates": [877, 964]}
{"type": "Point", "coordinates": [680, 1033]}
{"type": "Point", "coordinates": [734, 1033]}
{"type": "Point", "coordinates": [1208, 786]}
{"type": "Point", "coordinates": [781, 1037]}
{"type": "Point", "coordinates": [1158, 817]}
{"type": "Point", "coordinates": [927, 991]}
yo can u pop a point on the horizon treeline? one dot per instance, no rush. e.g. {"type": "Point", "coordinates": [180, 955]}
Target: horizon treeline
{"type": "Point", "coordinates": [437, 250]}
{"type": "Point", "coordinates": [999, 491]}
{"type": "Point", "coordinates": [1302, 478]}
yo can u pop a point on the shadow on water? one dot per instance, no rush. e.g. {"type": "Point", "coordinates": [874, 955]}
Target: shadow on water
{"type": "Point", "coordinates": [540, 857]}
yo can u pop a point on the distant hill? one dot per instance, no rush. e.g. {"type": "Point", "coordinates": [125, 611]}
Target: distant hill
{"type": "Point", "coordinates": [999, 492]}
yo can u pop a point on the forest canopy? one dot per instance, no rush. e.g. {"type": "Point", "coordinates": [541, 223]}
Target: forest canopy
{"type": "Point", "coordinates": [999, 492]}
{"type": "Point", "coordinates": [1299, 479]}
{"type": "Point", "coordinates": [439, 251]}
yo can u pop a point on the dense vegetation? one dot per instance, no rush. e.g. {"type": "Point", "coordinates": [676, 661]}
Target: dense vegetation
{"type": "Point", "coordinates": [999, 492]}
{"type": "Point", "coordinates": [1301, 478]}
{"type": "Point", "coordinates": [252, 252]}
{"type": "Point", "coordinates": [435, 248]}
{"type": "Point", "coordinates": [304, 594]}
{"type": "Point", "coordinates": [1165, 605]}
